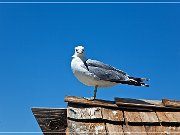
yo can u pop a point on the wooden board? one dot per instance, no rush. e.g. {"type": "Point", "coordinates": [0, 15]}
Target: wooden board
{"type": "Point", "coordinates": [137, 103]}
{"type": "Point", "coordinates": [162, 116]}
{"type": "Point", "coordinates": [149, 117]}
{"type": "Point", "coordinates": [51, 120]}
{"type": "Point", "coordinates": [84, 113]}
{"type": "Point", "coordinates": [171, 103]}
{"type": "Point", "coordinates": [169, 116]}
{"type": "Point", "coordinates": [79, 128]}
{"type": "Point", "coordinates": [175, 130]}
{"type": "Point", "coordinates": [83, 101]}
{"type": "Point", "coordinates": [173, 116]}
{"type": "Point", "coordinates": [134, 130]}
{"type": "Point", "coordinates": [155, 130]}
{"type": "Point", "coordinates": [114, 129]}
{"type": "Point", "coordinates": [112, 115]}
{"type": "Point", "coordinates": [132, 116]}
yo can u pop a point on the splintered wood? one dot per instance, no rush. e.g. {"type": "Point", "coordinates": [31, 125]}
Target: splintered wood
{"type": "Point", "coordinates": [84, 113]}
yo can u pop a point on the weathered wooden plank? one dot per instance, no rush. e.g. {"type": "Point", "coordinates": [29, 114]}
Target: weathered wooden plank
{"type": "Point", "coordinates": [149, 117]}
{"type": "Point", "coordinates": [135, 130]}
{"type": "Point", "coordinates": [171, 103]}
{"type": "Point", "coordinates": [51, 120]}
{"type": "Point", "coordinates": [83, 101]}
{"type": "Point", "coordinates": [174, 130]}
{"type": "Point", "coordinates": [84, 113]}
{"type": "Point", "coordinates": [155, 130]}
{"type": "Point", "coordinates": [157, 103]}
{"type": "Point", "coordinates": [79, 128]}
{"type": "Point", "coordinates": [132, 116]}
{"type": "Point", "coordinates": [162, 116]}
{"type": "Point", "coordinates": [112, 115]}
{"type": "Point", "coordinates": [138, 103]}
{"type": "Point", "coordinates": [113, 129]}
{"type": "Point", "coordinates": [173, 116]}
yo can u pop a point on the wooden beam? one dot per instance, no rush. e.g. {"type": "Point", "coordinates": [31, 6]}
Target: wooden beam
{"type": "Point", "coordinates": [137, 103]}
{"type": "Point", "coordinates": [51, 121]}
{"type": "Point", "coordinates": [96, 102]}
{"type": "Point", "coordinates": [171, 103]}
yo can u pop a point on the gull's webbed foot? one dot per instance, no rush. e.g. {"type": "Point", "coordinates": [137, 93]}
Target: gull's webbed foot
{"type": "Point", "coordinates": [90, 99]}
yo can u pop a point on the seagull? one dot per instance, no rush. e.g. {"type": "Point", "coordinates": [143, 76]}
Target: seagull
{"type": "Point", "coordinates": [99, 75]}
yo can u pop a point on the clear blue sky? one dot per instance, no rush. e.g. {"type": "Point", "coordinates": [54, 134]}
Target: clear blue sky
{"type": "Point", "coordinates": [38, 40]}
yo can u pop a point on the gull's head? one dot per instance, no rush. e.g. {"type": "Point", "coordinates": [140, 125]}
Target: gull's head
{"type": "Point", "coordinates": [79, 51]}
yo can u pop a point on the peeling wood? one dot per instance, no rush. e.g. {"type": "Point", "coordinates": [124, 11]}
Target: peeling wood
{"type": "Point", "coordinates": [114, 129]}
{"type": "Point", "coordinates": [171, 103]}
{"type": "Point", "coordinates": [79, 128]}
{"type": "Point", "coordinates": [112, 115]}
{"type": "Point", "coordinates": [84, 113]}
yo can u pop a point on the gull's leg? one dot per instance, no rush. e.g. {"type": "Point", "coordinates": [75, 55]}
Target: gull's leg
{"type": "Point", "coordinates": [94, 97]}
{"type": "Point", "coordinates": [95, 91]}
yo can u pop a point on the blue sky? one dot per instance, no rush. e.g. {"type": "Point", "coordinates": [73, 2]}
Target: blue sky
{"type": "Point", "coordinates": [38, 40]}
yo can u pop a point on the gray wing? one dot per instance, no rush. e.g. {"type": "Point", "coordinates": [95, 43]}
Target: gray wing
{"type": "Point", "coordinates": [105, 71]}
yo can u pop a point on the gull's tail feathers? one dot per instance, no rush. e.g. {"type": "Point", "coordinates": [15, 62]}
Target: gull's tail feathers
{"type": "Point", "coordinates": [133, 81]}
{"type": "Point", "coordinates": [138, 79]}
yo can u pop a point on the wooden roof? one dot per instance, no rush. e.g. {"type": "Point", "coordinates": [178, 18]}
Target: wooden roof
{"type": "Point", "coordinates": [121, 116]}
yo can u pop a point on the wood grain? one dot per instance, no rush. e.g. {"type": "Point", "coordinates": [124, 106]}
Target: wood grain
{"type": "Point", "coordinates": [112, 115]}
{"type": "Point", "coordinates": [84, 113]}
{"type": "Point", "coordinates": [155, 130]}
{"type": "Point", "coordinates": [149, 117]}
{"type": "Point", "coordinates": [135, 130]}
{"type": "Point", "coordinates": [96, 102]}
{"type": "Point", "coordinates": [79, 128]}
{"type": "Point", "coordinates": [171, 103]}
{"type": "Point", "coordinates": [132, 116]}
{"type": "Point", "coordinates": [51, 120]}
{"type": "Point", "coordinates": [137, 103]}
{"type": "Point", "coordinates": [114, 129]}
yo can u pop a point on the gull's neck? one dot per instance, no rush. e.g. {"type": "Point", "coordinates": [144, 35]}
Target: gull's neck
{"type": "Point", "coordinates": [83, 58]}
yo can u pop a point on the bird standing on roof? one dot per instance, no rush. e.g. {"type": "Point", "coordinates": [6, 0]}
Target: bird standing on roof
{"type": "Point", "coordinates": [97, 74]}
